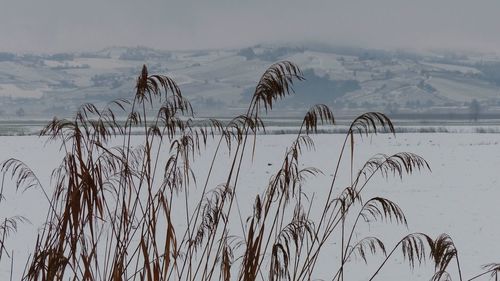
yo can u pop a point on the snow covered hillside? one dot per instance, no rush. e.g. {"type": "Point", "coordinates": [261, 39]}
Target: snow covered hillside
{"type": "Point", "coordinates": [219, 82]}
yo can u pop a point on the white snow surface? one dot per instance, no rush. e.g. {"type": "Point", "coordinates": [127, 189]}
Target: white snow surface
{"type": "Point", "coordinates": [459, 197]}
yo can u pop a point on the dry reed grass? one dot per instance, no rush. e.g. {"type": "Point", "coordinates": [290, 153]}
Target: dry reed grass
{"type": "Point", "coordinates": [112, 209]}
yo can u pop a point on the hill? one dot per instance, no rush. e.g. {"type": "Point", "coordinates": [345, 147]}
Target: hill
{"type": "Point", "coordinates": [219, 82]}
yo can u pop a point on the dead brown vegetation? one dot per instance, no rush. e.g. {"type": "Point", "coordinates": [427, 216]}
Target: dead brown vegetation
{"type": "Point", "coordinates": [113, 208]}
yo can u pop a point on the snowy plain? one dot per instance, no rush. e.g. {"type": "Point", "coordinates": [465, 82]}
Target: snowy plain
{"type": "Point", "coordinates": [460, 196]}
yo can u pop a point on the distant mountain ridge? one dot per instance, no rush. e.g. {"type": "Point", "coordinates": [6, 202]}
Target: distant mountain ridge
{"type": "Point", "coordinates": [220, 82]}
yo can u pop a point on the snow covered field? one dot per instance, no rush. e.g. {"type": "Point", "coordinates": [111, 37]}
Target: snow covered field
{"type": "Point", "coordinates": [459, 197]}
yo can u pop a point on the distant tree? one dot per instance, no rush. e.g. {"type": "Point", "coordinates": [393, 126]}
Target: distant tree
{"type": "Point", "coordinates": [474, 109]}
{"type": "Point", "coordinates": [4, 56]}
{"type": "Point", "coordinates": [20, 112]}
{"type": "Point", "coordinates": [248, 53]}
{"type": "Point", "coordinates": [367, 105]}
{"type": "Point", "coordinates": [392, 108]}
{"type": "Point", "coordinates": [388, 74]}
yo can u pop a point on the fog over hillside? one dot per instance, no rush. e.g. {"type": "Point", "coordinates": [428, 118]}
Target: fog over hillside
{"type": "Point", "coordinates": [219, 82]}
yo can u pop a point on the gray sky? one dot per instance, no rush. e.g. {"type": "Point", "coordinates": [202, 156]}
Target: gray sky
{"type": "Point", "coordinates": [69, 25]}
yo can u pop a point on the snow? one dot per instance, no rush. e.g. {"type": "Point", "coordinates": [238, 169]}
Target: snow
{"type": "Point", "coordinates": [453, 67]}
{"type": "Point", "coordinates": [459, 196]}
{"type": "Point", "coordinates": [463, 90]}
{"type": "Point", "coordinates": [12, 90]}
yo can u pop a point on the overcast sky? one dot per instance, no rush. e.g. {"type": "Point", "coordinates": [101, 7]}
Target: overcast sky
{"type": "Point", "coordinates": [68, 25]}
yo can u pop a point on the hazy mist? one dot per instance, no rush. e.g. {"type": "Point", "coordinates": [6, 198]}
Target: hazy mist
{"type": "Point", "coordinates": [62, 25]}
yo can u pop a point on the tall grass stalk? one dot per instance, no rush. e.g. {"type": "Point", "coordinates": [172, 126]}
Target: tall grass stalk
{"type": "Point", "coordinates": [129, 212]}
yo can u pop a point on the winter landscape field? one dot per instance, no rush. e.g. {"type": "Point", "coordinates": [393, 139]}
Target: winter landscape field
{"type": "Point", "coordinates": [258, 140]}
{"type": "Point", "coordinates": [459, 197]}
{"type": "Point", "coordinates": [163, 195]}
